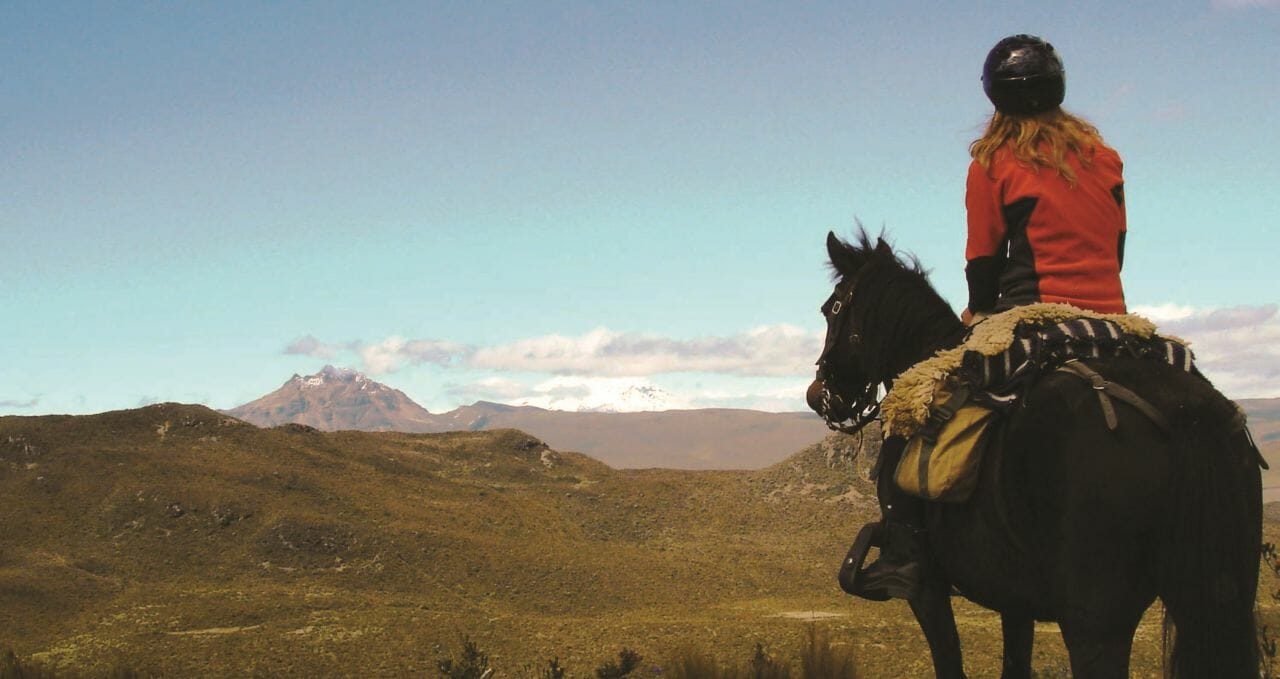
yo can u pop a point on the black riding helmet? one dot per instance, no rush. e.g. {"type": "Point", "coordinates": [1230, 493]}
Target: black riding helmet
{"type": "Point", "coordinates": [1023, 75]}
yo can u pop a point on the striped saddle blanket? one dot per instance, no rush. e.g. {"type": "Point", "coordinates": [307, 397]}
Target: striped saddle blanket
{"type": "Point", "coordinates": [1000, 380]}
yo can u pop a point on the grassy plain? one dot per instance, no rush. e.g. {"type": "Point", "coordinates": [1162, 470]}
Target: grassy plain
{"type": "Point", "coordinates": [175, 540]}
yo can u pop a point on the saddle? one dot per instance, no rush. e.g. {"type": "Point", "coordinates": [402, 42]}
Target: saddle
{"type": "Point", "coordinates": [1005, 354]}
{"type": "Point", "coordinates": [948, 405]}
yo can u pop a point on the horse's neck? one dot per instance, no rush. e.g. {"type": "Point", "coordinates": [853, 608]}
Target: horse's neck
{"type": "Point", "coordinates": [915, 320]}
{"type": "Point", "coordinates": [929, 339]}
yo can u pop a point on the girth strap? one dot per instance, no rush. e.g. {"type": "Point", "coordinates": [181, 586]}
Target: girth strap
{"type": "Point", "coordinates": [1106, 390]}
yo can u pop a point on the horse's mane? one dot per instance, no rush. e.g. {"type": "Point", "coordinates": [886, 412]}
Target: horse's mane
{"type": "Point", "coordinates": [899, 313]}
{"type": "Point", "coordinates": [863, 245]}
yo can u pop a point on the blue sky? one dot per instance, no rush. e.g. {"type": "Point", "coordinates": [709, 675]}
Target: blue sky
{"type": "Point", "coordinates": [550, 202]}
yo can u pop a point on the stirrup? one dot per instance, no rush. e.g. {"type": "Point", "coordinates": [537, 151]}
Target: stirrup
{"type": "Point", "coordinates": [852, 573]}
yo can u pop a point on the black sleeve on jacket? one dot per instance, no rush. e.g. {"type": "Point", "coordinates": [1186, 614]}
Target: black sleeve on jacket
{"type": "Point", "coordinates": [983, 275]}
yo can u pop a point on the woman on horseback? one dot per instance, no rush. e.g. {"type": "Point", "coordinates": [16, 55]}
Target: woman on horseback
{"type": "Point", "coordinates": [1044, 196]}
{"type": "Point", "coordinates": [1046, 223]}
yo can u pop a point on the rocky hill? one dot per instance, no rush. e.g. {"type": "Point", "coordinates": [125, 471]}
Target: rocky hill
{"type": "Point", "coordinates": [337, 399]}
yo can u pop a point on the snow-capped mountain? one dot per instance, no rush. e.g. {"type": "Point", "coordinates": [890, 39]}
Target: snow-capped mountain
{"type": "Point", "coordinates": [601, 395]}
{"type": "Point", "coordinates": [633, 399]}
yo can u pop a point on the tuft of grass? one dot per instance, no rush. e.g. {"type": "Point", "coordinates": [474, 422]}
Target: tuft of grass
{"type": "Point", "coordinates": [11, 667]}
{"type": "Point", "coordinates": [628, 660]}
{"type": "Point", "coordinates": [817, 657]}
{"type": "Point", "coordinates": [554, 670]}
{"type": "Point", "coordinates": [763, 666]}
{"type": "Point", "coordinates": [1267, 642]}
{"type": "Point", "coordinates": [690, 663]}
{"type": "Point", "coordinates": [820, 658]}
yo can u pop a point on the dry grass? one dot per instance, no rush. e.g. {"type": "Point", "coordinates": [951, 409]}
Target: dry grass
{"type": "Point", "coordinates": [817, 657]}
{"type": "Point", "coordinates": [174, 540]}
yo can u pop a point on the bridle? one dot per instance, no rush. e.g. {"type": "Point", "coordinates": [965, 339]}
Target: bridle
{"type": "Point", "coordinates": [866, 407]}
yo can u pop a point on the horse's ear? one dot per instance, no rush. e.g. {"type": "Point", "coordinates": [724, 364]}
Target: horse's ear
{"type": "Point", "coordinates": [883, 247]}
{"type": "Point", "coordinates": [843, 258]}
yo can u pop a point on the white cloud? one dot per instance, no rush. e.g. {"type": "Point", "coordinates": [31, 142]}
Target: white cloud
{"type": "Point", "coordinates": [497, 389]}
{"type": "Point", "coordinates": [1238, 348]}
{"type": "Point", "coordinates": [1164, 312]}
{"type": "Point", "coordinates": [619, 394]}
{"type": "Point", "coordinates": [394, 352]}
{"type": "Point", "coordinates": [779, 350]}
{"type": "Point", "coordinates": [16, 404]}
{"type": "Point", "coordinates": [310, 346]}
{"type": "Point", "coordinates": [574, 393]}
{"type": "Point", "coordinates": [765, 368]}
{"type": "Point", "coordinates": [775, 350]}
{"type": "Point", "coordinates": [786, 398]}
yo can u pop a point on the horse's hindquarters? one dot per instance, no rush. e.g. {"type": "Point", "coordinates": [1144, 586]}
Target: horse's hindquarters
{"type": "Point", "coordinates": [1085, 525]}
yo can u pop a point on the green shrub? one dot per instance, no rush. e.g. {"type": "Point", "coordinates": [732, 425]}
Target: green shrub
{"type": "Point", "coordinates": [473, 663]}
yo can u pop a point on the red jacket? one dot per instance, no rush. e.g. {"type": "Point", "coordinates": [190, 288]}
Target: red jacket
{"type": "Point", "coordinates": [1033, 237]}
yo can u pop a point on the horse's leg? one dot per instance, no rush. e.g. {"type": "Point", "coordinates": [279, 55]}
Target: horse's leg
{"type": "Point", "coordinates": [932, 608]}
{"type": "Point", "coordinates": [1106, 599]}
{"type": "Point", "coordinates": [1098, 653]}
{"type": "Point", "coordinates": [1019, 635]}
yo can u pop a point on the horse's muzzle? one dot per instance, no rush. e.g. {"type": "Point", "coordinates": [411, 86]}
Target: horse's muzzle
{"type": "Point", "coordinates": [827, 403]}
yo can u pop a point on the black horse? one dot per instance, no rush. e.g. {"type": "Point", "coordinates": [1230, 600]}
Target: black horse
{"type": "Point", "coordinates": [1071, 522]}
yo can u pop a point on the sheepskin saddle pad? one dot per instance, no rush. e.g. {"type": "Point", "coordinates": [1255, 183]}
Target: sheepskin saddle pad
{"type": "Point", "coordinates": [1004, 354]}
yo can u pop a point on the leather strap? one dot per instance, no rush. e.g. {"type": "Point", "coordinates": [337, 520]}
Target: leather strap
{"type": "Point", "coordinates": [1106, 390]}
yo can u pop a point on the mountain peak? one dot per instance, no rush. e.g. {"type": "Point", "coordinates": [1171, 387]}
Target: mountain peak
{"type": "Point", "coordinates": [329, 375]}
{"type": "Point", "coordinates": [337, 398]}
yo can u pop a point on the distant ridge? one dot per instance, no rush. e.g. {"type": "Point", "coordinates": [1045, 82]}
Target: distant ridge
{"type": "Point", "coordinates": [711, 438]}
{"type": "Point", "coordinates": [337, 399]}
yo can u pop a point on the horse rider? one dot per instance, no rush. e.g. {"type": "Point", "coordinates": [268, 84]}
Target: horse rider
{"type": "Point", "coordinates": [1046, 223]}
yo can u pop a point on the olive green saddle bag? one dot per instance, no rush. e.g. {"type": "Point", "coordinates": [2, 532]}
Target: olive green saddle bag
{"type": "Point", "coordinates": [941, 462]}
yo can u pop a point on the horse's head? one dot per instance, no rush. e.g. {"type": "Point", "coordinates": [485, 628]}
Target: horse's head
{"type": "Point", "coordinates": [845, 391]}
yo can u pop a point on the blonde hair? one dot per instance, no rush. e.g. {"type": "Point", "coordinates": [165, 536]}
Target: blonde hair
{"type": "Point", "coordinates": [1039, 140]}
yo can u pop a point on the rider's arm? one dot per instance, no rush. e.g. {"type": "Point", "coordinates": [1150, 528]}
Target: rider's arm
{"type": "Point", "coordinates": [984, 250]}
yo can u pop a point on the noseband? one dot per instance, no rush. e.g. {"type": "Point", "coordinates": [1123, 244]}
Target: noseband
{"type": "Point", "coordinates": [866, 407]}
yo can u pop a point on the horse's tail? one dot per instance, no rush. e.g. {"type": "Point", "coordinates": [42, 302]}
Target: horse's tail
{"type": "Point", "coordinates": [1209, 557]}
